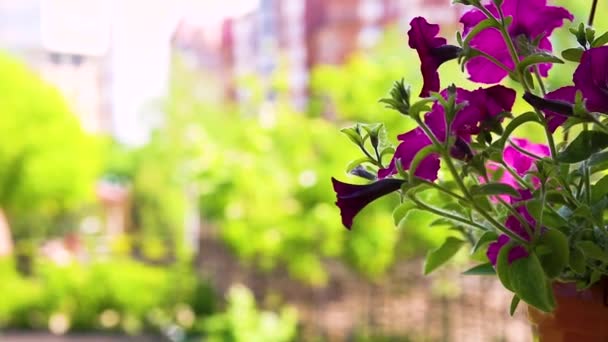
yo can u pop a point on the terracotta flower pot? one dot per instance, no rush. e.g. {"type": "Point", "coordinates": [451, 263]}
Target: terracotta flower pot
{"type": "Point", "coordinates": [579, 316]}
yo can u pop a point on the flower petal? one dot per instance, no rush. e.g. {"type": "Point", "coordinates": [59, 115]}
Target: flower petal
{"type": "Point", "coordinates": [411, 143]}
{"type": "Point", "coordinates": [565, 94]}
{"type": "Point", "coordinates": [591, 78]}
{"type": "Point", "coordinates": [352, 198]}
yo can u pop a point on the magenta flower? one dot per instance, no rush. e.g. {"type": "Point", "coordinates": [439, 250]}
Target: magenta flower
{"type": "Point", "coordinates": [494, 248]}
{"type": "Point", "coordinates": [483, 106]}
{"type": "Point", "coordinates": [411, 143]}
{"type": "Point", "coordinates": [556, 105]}
{"type": "Point", "coordinates": [433, 51]}
{"type": "Point", "coordinates": [532, 19]}
{"type": "Point", "coordinates": [352, 198]}
{"type": "Point", "coordinates": [519, 162]}
{"type": "Point", "coordinates": [591, 78]}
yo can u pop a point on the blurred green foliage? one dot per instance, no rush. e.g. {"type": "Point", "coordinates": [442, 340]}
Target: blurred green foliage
{"type": "Point", "coordinates": [48, 165]}
{"type": "Point", "coordinates": [243, 322]}
{"type": "Point", "coordinates": [264, 181]}
{"type": "Point", "coordinates": [112, 295]}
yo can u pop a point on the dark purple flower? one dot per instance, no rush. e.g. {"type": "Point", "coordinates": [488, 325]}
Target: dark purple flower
{"type": "Point", "coordinates": [352, 198]}
{"type": "Point", "coordinates": [433, 51]}
{"type": "Point", "coordinates": [482, 106]}
{"type": "Point", "coordinates": [591, 78]}
{"type": "Point", "coordinates": [557, 105]}
{"type": "Point", "coordinates": [532, 19]}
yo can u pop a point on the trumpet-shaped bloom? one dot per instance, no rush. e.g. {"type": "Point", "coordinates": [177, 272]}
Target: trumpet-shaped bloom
{"type": "Point", "coordinates": [352, 198]}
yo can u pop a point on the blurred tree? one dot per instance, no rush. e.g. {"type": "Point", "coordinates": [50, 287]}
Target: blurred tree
{"type": "Point", "coordinates": [48, 165]}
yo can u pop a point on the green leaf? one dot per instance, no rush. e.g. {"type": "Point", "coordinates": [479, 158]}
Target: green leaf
{"type": "Point", "coordinates": [418, 158]}
{"type": "Point", "coordinates": [441, 255]}
{"type": "Point", "coordinates": [558, 254]}
{"type": "Point", "coordinates": [488, 236]}
{"type": "Point", "coordinates": [484, 24]}
{"type": "Point", "coordinates": [538, 58]}
{"type": "Point", "coordinates": [592, 251]}
{"type": "Point", "coordinates": [387, 150]}
{"type": "Point", "coordinates": [401, 211]}
{"type": "Point", "coordinates": [354, 134]}
{"type": "Point", "coordinates": [577, 261]}
{"type": "Point", "coordinates": [514, 303]}
{"type": "Point", "coordinates": [549, 218]}
{"type": "Point", "coordinates": [513, 124]}
{"type": "Point", "coordinates": [598, 162]}
{"type": "Point", "coordinates": [492, 189]}
{"type": "Point", "coordinates": [573, 54]}
{"type": "Point", "coordinates": [502, 266]}
{"type": "Point", "coordinates": [600, 41]}
{"type": "Point", "coordinates": [353, 164]}
{"type": "Point", "coordinates": [530, 284]}
{"type": "Point", "coordinates": [585, 145]}
{"type": "Point", "coordinates": [599, 190]}
{"type": "Point", "coordinates": [481, 270]}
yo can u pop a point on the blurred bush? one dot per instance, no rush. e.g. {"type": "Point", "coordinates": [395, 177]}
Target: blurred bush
{"type": "Point", "coordinates": [48, 165]}
{"type": "Point", "coordinates": [243, 322]}
{"type": "Point", "coordinates": [114, 295]}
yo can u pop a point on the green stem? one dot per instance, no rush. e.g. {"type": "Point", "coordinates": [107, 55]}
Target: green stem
{"type": "Point", "coordinates": [445, 214]}
{"type": "Point", "coordinates": [370, 156]}
{"type": "Point", "coordinates": [517, 177]}
{"type": "Point", "coordinates": [515, 57]}
{"type": "Point", "coordinates": [543, 203]}
{"type": "Point", "coordinates": [493, 60]}
{"type": "Point", "coordinates": [448, 161]}
{"type": "Point", "coordinates": [442, 189]}
{"type": "Point", "coordinates": [539, 79]}
{"type": "Point", "coordinates": [592, 14]}
{"type": "Point", "coordinates": [524, 152]}
{"type": "Point", "coordinates": [518, 216]}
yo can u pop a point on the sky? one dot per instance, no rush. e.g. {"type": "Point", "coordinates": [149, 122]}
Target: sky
{"type": "Point", "coordinates": [140, 55]}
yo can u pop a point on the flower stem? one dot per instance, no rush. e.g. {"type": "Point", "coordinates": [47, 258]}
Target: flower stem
{"type": "Point", "coordinates": [517, 177]}
{"type": "Point", "coordinates": [442, 189]}
{"type": "Point", "coordinates": [518, 216]}
{"type": "Point", "coordinates": [515, 57]}
{"type": "Point", "coordinates": [445, 214]}
{"type": "Point", "coordinates": [541, 84]}
{"type": "Point", "coordinates": [524, 152]}
{"type": "Point", "coordinates": [445, 154]}
{"type": "Point", "coordinates": [493, 60]}
{"type": "Point", "coordinates": [592, 14]}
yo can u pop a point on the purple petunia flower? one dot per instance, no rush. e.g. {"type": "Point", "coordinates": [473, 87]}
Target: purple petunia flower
{"type": "Point", "coordinates": [519, 162]}
{"type": "Point", "coordinates": [482, 106]}
{"type": "Point", "coordinates": [352, 198]}
{"type": "Point", "coordinates": [411, 143]}
{"type": "Point", "coordinates": [517, 252]}
{"type": "Point", "coordinates": [532, 19]}
{"type": "Point", "coordinates": [591, 78]}
{"type": "Point", "coordinates": [433, 51]}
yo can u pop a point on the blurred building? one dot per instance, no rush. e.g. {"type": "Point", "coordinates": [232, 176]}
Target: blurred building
{"type": "Point", "coordinates": [66, 41]}
{"type": "Point", "coordinates": [293, 36]}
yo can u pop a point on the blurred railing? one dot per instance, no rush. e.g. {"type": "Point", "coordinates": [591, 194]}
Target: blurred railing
{"type": "Point", "coordinates": [445, 307]}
